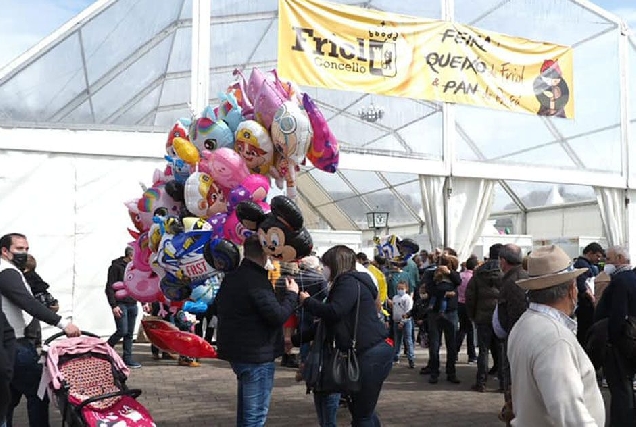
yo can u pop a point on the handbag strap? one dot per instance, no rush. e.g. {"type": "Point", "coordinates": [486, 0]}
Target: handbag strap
{"type": "Point", "coordinates": [355, 325]}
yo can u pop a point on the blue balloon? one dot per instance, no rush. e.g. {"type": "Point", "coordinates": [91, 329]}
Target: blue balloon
{"type": "Point", "coordinates": [198, 307]}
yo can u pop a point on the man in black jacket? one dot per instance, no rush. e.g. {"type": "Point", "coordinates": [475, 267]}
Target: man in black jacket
{"type": "Point", "coordinates": [124, 309]}
{"type": "Point", "coordinates": [482, 293]}
{"type": "Point", "coordinates": [250, 327]}
{"type": "Point", "coordinates": [618, 302]}
{"type": "Point", "coordinates": [592, 254]}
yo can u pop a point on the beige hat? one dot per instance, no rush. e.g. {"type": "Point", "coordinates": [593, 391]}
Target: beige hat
{"type": "Point", "coordinates": [549, 266]}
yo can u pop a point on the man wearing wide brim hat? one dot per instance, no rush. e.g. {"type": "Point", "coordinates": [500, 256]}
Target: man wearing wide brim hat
{"type": "Point", "coordinates": [553, 380]}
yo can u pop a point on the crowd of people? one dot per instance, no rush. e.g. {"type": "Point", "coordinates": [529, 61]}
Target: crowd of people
{"type": "Point", "coordinates": [556, 328]}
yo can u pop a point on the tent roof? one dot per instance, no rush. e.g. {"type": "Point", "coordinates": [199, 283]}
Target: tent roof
{"type": "Point", "coordinates": [125, 64]}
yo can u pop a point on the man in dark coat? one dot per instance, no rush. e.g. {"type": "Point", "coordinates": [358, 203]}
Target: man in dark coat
{"type": "Point", "coordinates": [124, 309]}
{"type": "Point", "coordinates": [482, 294]}
{"type": "Point", "coordinates": [511, 305]}
{"type": "Point", "coordinates": [250, 330]}
{"type": "Point", "coordinates": [618, 302]}
{"type": "Point", "coordinates": [592, 254]}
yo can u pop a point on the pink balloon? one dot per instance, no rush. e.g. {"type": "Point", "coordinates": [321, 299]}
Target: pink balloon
{"type": "Point", "coordinates": [141, 253]}
{"type": "Point", "coordinates": [234, 230]}
{"type": "Point", "coordinates": [153, 198]}
{"type": "Point", "coordinates": [225, 166]}
{"type": "Point", "coordinates": [142, 285]}
{"type": "Point", "coordinates": [258, 185]}
{"type": "Point", "coordinates": [120, 290]}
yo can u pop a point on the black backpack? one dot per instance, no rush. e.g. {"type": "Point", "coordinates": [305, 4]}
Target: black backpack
{"type": "Point", "coordinates": [596, 342]}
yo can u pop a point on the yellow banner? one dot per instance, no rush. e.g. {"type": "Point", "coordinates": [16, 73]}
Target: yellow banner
{"type": "Point", "coordinates": [349, 48]}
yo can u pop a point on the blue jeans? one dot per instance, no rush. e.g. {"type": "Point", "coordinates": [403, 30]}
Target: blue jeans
{"type": "Point", "coordinates": [405, 334]}
{"type": "Point", "coordinates": [125, 328]}
{"type": "Point", "coordinates": [327, 408]}
{"type": "Point", "coordinates": [375, 365]}
{"type": "Point", "coordinates": [26, 379]}
{"type": "Point", "coordinates": [448, 325]}
{"type": "Point", "coordinates": [255, 383]}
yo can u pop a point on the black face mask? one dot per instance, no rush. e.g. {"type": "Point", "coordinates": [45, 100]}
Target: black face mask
{"type": "Point", "coordinates": [19, 260]}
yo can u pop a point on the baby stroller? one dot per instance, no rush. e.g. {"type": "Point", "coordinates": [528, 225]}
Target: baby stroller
{"type": "Point", "coordinates": [86, 379]}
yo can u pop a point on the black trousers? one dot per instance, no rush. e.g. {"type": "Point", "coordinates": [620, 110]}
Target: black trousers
{"type": "Point", "coordinates": [465, 331]}
{"type": "Point", "coordinates": [619, 382]}
{"type": "Point", "coordinates": [584, 319]}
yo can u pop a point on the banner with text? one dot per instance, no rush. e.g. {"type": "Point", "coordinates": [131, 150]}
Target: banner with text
{"type": "Point", "coordinates": [350, 48]}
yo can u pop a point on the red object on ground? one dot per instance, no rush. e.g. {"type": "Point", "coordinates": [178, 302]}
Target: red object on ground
{"type": "Point", "coordinates": [165, 336]}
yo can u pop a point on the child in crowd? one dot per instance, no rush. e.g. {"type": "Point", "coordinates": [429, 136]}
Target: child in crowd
{"type": "Point", "coordinates": [38, 286]}
{"type": "Point", "coordinates": [442, 283]}
{"type": "Point", "coordinates": [287, 270]}
{"type": "Point", "coordinates": [402, 324]}
{"type": "Point", "coordinates": [155, 309]}
{"type": "Point", "coordinates": [418, 314]}
{"type": "Point", "coordinates": [185, 322]}
{"type": "Point", "coordinates": [39, 289]}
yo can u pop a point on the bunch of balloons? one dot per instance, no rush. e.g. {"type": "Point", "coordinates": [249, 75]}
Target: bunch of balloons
{"type": "Point", "coordinates": [213, 192]}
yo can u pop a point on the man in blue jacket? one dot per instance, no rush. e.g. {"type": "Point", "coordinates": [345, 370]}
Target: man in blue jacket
{"type": "Point", "coordinates": [250, 330]}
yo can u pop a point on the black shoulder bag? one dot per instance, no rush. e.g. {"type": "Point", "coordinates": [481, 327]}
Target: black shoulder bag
{"type": "Point", "coordinates": [328, 370]}
{"type": "Point", "coordinates": [345, 367]}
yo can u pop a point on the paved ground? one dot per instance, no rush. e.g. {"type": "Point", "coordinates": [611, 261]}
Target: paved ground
{"type": "Point", "coordinates": [205, 396]}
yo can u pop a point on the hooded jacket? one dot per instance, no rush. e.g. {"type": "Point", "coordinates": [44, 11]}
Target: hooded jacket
{"type": "Point", "coordinates": [339, 312]}
{"type": "Point", "coordinates": [116, 274]}
{"type": "Point", "coordinates": [482, 292]}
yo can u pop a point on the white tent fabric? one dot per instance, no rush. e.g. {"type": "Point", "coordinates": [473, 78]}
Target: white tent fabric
{"type": "Point", "coordinates": [432, 205]}
{"type": "Point", "coordinates": [611, 202]}
{"type": "Point", "coordinates": [469, 207]}
{"type": "Point", "coordinates": [71, 208]}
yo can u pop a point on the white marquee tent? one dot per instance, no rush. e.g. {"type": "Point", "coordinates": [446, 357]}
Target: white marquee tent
{"type": "Point", "coordinates": [84, 115]}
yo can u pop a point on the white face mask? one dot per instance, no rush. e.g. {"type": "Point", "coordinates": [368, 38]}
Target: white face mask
{"type": "Point", "coordinates": [609, 268]}
{"type": "Point", "coordinates": [401, 292]}
{"type": "Point", "coordinates": [326, 273]}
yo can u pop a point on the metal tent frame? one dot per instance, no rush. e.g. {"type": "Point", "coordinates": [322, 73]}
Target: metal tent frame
{"type": "Point", "coordinates": [188, 57]}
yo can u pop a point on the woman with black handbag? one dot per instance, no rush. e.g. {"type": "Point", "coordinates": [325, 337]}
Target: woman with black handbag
{"type": "Point", "coordinates": [362, 358]}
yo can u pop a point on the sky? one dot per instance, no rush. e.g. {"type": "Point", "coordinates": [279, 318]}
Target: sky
{"type": "Point", "coordinates": [21, 28]}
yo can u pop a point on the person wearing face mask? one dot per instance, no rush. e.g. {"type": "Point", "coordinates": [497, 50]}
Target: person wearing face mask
{"type": "Point", "coordinates": [553, 379]}
{"type": "Point", "coordinates": [402, 324]}
{"type": "Point", "coordinates": [339, 313]}
{"type": "Point", "coordinates": [20, 307]}
{"type": "Point", "coordinates": [618, 302]}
